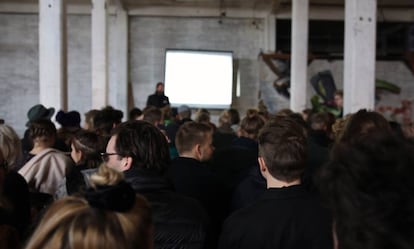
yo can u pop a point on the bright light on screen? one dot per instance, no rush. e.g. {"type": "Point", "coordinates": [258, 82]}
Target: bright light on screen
{"type": "Point", "coordinates": [199, 78]}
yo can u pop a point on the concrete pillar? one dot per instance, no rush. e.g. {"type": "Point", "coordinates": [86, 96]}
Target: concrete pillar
{"type": "Point", "coordinates": [52, 54]}
{"type": "Point", "coordinates": [121, 91]}
{"type": "Point", "coordinates": [299, 63]}
{"type": "Point", "coordinates": [359, 55]}
{"type": "Point", "coordinates": [99, 54]}
{"type": "Point", "coordinates": [270, 33]}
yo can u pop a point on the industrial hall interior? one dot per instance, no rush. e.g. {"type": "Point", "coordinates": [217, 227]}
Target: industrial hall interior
{"type": "Point", "coordinates": [211, 124]}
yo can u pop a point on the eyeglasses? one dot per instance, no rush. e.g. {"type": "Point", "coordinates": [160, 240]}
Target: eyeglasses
{"type": "Point", "coordinates": [105, 156]}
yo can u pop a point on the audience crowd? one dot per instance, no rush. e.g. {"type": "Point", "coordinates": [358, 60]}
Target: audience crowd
{"type": "Point", "coordinates": [166, 179]}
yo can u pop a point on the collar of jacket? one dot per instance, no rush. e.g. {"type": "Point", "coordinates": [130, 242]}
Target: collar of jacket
{"type": "Point", "coordinates": [145, 180]}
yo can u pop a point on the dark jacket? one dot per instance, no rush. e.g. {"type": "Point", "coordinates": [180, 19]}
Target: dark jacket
{"type": "Point", "coordinates": [194, 179]}
{"type": "Point", "coordinates": [16, 191]}
{"type": "Point", "coordinates": [179, 221]}
{"type": "Point", "coordinates": [288, 218]}
{"type": "Point", "coordinates": [233, 164]}
{"type": "Point", "coordinates": [158, 100]}
{"type": "Point", "coordinates": [249, 189]}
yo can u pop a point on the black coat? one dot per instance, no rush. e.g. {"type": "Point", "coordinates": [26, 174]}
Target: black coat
{"type": "Point", "coordinates": [194, 179]}
{"type": "Point", "coordinates": [158, 100]}
{"type": "Point", "coordinates": [288, 218]}
{"type": "Point", "coordinates": [249, 189]}
{"type": "Point", "coordinates": [179, 221]}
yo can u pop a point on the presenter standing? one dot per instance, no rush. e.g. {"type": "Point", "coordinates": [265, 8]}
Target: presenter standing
{"type": "Point", "coordinates": [158, 99]}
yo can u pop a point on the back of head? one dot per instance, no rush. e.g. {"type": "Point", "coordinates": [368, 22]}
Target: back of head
{"type": "Point", "coordinates": [364, 122]}
{"type": "Point", "coordinates": [68, 119]}
{"type": "Point", "coordinates": [153, 115]}
{"type": "Point", "coordinates": [10, 145]}
{"type": "Point", "coordinates": [224, 119]}
{"type": "Point", "coordinates": [89, 117]}
{"type": "Point", "coordinates": [144, 142]}
{"type": "Point", "coordinates": [251, 125]}
{"type": "Point", "coordinates": [319, 121]}
{"type": "Point", "coordinates": [368, 185]}
{"type": "Point", "coordinates": [284, 112]}
{"type": "Point", "coordinates": [106, 119]}
{"type": "Point", "coordinates": [90, 144]}
{"type": "Point", "coordinates": [234, 116]}
{"type": "Point", "coordinates": [109, 216]}
{"type": "Point", "coordinates": [42, 130]}
{"type": "Point", "coordinates": [282, 145]}
{"type": "Point", "coordinates": [202, 116]}
{"type": "Point", "coordinates": [191, 133]}
{"type": "Point", "coordinates": [134, 113]}
{"type": "Point", "coordinates": [338, 128]}
{"type": "Point", "coordinates": [184, 111]}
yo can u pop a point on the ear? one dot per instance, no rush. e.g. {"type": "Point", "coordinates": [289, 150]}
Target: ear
{"type": "Point", "coordinates": [263, 167]}
{"type": "Point", "coordinates": [126, 163]}
{"type": "Point", "coordinates": [262, 164]}
{"type": "Point", "coordinates": [197, 151]}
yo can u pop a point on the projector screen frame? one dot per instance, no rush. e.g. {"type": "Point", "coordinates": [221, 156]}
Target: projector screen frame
{"type": "Point", "coordinates": [201, 51]}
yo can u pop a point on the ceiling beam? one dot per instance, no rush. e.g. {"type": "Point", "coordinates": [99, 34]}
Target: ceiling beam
{"type": "Point", "coordinates": [198, 12]}
{"type": "Point", "coordinates": [283, 11]}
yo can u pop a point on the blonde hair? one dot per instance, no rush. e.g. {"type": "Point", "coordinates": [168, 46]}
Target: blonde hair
{"type": "Point", "coordinates": [224, 118]}
{"type": "Point", "coordinates": [72, 222]}
{"type": "Point", "coordinates": [106, 176]}
{"type": "Point", "coordinates": [202, 116]}
{"type": "Point", "coordinates": [10, 145]}
{"type": "Point", "coordinates": [339, 127]}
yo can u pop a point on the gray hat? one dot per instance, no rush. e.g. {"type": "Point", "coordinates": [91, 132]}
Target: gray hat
{"type": "Point", "coordinates": [183, 108]}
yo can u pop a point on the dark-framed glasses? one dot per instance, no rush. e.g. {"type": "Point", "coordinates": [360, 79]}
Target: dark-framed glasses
{"type": "Point", "coordinates": [105, 156]}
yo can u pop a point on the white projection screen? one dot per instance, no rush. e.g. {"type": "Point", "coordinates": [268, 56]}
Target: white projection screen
{"type": "Point", "coordinates": [199, 79]}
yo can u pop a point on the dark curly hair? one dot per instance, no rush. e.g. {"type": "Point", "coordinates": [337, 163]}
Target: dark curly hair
{"type": "Point", "coordinates": [363, 122]}
{"type": "Point", "coordinates": [368, 186]}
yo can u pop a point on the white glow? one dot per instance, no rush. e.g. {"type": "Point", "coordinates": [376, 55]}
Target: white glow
{"type": "Point", "coordinates": [238, 84]}
{"type": "Point", "coordinates": [199, 78]}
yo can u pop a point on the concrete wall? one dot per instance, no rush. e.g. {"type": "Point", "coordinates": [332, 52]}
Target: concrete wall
{"type": "Point", "coordinates": [19, 70]}
{"type": "Point", "coordinates": [149, 37]}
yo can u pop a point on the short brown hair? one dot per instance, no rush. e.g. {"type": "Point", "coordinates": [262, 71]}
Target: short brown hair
{"type": "Point", "coordinates": [250, 126]}
{"type": "Point", "coordinates": [282, 145]}
{"type": "Point", "coordinates": [191, 133]}
{"type": "Point", "coordinates": [153, 115]}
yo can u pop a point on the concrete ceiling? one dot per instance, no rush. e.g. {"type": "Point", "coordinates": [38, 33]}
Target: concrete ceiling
{"type": "Point", "coordinates": [259, 5]}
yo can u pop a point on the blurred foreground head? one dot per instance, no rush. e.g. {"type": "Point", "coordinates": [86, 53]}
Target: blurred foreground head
{"type": "Point", "coordinates": [110, 215]}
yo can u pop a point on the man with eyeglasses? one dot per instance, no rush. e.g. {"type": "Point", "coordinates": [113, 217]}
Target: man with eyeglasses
{"type": "Point", "coordinates": [140, 151]}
